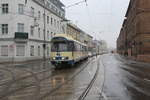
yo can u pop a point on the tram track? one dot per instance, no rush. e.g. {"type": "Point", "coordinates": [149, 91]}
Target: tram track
{"type": "Point", "coordinates": [32, 75]}
{"type": "Point", "coordinates": [7, 85]}
{"type": "Point", "coordinates": [14, 79]}
{"type": "Point", "coordinates": [8, 93]}
{"type": "Point", "coordinates": [102, 94]}
{"type": "Point", "coordinates": [67, 81]}
{"type": "Point", "coordinates": [88, 88]}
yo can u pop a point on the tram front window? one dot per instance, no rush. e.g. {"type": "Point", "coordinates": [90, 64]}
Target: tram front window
{"type": "Point", "coordinates": [61, 47]}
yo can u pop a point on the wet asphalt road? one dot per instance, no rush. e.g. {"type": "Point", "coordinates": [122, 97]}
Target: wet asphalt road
{"type": "Point", "coordinates": [125, 80]}
{"type": "Point", "coordinates": [41, 81]}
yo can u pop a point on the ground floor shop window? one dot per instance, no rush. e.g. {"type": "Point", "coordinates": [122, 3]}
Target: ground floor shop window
{"type": "Point", "coordinates": [32, 51]}
{"type": "Point", "coordinates": [4, 50]}
{"type": "Point", "coordinates": [20, 50]}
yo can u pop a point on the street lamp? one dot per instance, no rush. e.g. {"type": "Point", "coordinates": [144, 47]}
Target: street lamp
{"type": "Point", "coordinates": [44, 31]}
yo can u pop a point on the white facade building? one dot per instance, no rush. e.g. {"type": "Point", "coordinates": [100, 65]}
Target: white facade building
{"type": "Point", "coordinates": [26, 28]}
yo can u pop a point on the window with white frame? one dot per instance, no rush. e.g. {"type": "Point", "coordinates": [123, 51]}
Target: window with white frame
{"type": "Point", "coordinates": [32, 30]}
{"type": "Point", "coordinates": [21, 9]}
{"type": "Point", "coordinates": [4, 29]}
{"type": "Point", "coordinates": [20, 27]}
{"type": "Point", "coordinates": [31, 50]}
{"type": "Point", "coordinates": [20, 50]}
{"type": "Point", "coordinates": [4, 50]}
{"type": "Point", "coordinates": [5, 8]}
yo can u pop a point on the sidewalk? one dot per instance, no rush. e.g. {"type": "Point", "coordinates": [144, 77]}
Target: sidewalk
{"type": "Point", "coordinates": [22, 62]}
{"type": "Point", "coordinates": [129, 61]}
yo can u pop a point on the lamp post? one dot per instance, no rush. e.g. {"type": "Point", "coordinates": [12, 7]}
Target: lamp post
{"type": "Point", "coordinates": [44, 32]}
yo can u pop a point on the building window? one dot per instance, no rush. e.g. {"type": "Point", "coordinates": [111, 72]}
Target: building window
{"type": "Point", "coordinates": [4, 29]}
{"type": "Point", "coordinates": [55, 22]}
{"type": "Point", "coordinates": [4, 8]}
{"type": "Point", "coordinates": [39, 50]}
{"type": "Point", "coordinates": [47, 34]}
{"type": "Point", "coordinates": [20, 27]}
{"type": "Point", "coordinates": [39, 32]}
{"type": "Point", "coordinates": [4, 50]}
{"type": "Point", "coordinates": [32, 30]}
{"type": "Point", "coordinates": [51, 21]}
{"type": "Point", "coordinates": [51, 34]}
{"type": "Point", "coordinates": [32, 11]}
{"type": "Point", "coordinates": [20, 50]}
{"type": "Point", "coordinates": [39, 14]}
{"type": "Point", "coordinates": [32, 51]}
{"type": "Point", "coordinates": [21, 9]}
{"type": "Point", "coordinates": [47, 19]}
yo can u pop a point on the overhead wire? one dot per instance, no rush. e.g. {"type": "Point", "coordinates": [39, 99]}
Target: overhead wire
{"type": "Point", "coordinates": [75, 4]}
{"type": "Point", "coordinates": [91, 25]}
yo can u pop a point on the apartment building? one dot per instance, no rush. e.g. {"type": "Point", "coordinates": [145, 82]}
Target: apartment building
{"type": "Point", "coordinates": [26, 28]}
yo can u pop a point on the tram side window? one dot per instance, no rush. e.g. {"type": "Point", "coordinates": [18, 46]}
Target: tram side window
{"type": "Point", "coordinates": [76, 47]}
{"type": "Point", "coordinates": [70, 46]}
{"type": "Point", "coordinates": [79, 49]}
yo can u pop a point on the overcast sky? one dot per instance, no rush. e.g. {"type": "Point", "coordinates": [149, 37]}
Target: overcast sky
{"type": "Point", "coordinates": [101, 18]}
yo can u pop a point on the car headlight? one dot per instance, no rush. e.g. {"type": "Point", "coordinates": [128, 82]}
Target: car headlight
{"type": "Point", "coordinates": [54, 58]}
{"type": "Point", "coordinates": [63, 58]}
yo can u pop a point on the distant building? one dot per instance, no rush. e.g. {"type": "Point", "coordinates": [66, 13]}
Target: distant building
{"type": "Point", "coordinates": [134, 38]}
{"type": "Point", "coordinates": [86, 39]}
{"type": "Point", "coordinates": [99, 46]}
{"type": "Point", "coordinates": [26, 28]}
{"type": "Point", "coordinates": [73, 31]}
{"type": "Point", "coordinates": [79, 35]}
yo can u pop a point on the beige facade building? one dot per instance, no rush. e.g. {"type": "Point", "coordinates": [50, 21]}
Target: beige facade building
{"type": "Point", "coordinates": [79, 35]}
{"type": "Point", "coordinates": [73, 31]}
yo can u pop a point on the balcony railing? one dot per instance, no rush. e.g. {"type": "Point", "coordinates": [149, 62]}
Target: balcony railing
{"type": "Point", "coordinates": [21, 37]}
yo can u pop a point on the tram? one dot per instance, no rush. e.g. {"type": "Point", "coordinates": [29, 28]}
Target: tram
{"type": "Point", "coordinates": [66, 50]}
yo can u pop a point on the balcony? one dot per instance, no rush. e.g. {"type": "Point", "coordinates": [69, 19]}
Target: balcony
{"type": "Point", "coordinates": [21, 37]}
